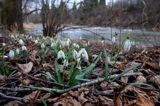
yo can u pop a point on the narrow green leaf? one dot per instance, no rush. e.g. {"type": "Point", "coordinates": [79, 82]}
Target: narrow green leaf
{"type": "Point", "coordinates": [106, 71]}
{"type": "Point", "coordinates": [88, 69]}
{"type": "Point", "coordinates": [72, 80]}
{"type": "Point", "coordinates": [133, 67]}
{"type": "Point", "coordinates": [57, 74]}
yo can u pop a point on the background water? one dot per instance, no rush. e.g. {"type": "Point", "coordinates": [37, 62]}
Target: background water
{"type": "Point", "coordinates": [142, 36]}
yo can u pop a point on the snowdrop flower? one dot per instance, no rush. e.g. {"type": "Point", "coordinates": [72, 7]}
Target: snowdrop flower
{"type": "Point", "coordinates": [132, 43]}
{"type": "Point", "coordinates": [61, 55]}
{"type": "Point", "coordinates": [18, 51]}
{"type": "Point", "coordinates": [75, 53]}
{"type": "Point", "coordinates": [80, 38]}
{"type": "Point", "coordinates": [88, 43]}
{"type": "Point", "coordinates": [35, 41]}
{"type": "Point", "coordinates": [65, 43]}
{"type": "Point", "coordinates": [53, 45]}
{"type": "Point", "coordinates": [30, 37]}
{"type": "Point", "coordinates": [44, 38]}
{"type": "Point", "coordinates": [83, 53]}
{"type": "Point", "coordinates": [127, 45]}
{"type": "Point", "coordinates": [75, 45]}
{"type": "Point", "coordinates": [102, 41]}
{"type": "Point", "coordinates": [11, 54]}
{"type": "Point", "coordinates": [3, 44]}
{"type": "Point", "coordinates": [21, 42]}
{"type": "Point", "coordinates": [42, 46]}
{"type": "Point", "coordinates": [24, 48]}
{"type": "Point", "coordinates": [113, 39]}
{"type": "Point", "coordinates": [12, 36]}
{"type": "Point", "coordinates": [65, 62]}
{"type": "Point", "coordinates": [78, 64]}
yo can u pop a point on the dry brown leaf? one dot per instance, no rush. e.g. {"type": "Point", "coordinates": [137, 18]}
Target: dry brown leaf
{"type": "Point", "coordinates": [26, 82]}
{"type": "Point", "coordinates": [89, 104]}
{"type": "Point", "coordinates": [141, 79]}
{"type": "Point", "coordinates": [155, 80]}
{"type": "Point", "coordinates": [154, 66]}
{"type": "Point", "coordinates": [98, 72]}
{"type": "Point", "coordinates": [14, 103]}
{"type": "Point", "coordinates": [26, 68]}
{"type": "Point", "coordinates": [2, 79]}
{"type": "Point", "coordinates": [82, 98]}
{"type": "Point", "coordinates": [118, 100]}
{"type": "Point", "coordinates": [31, 97]}
{"type": "Point", "coordinates": [142, 100]}
{"type": "Point", "coordinates": [33, 55]}
{"type": "Point", "coordinates": [105, 101]}
{"type": "Point", "coordinates": [124, 79]}
{"type": "Point", "coordinates": [67, 101]}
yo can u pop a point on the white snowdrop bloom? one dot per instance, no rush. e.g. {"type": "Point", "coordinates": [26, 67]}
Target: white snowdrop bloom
{"type": "Point", "coordinates": [133, 43]}
{"type": "Point", "coordinates": [18, 51]}
{"type": "Point", "coordinates": [75, 53]}
{"type": "Point", "coordinates": [80, 38]}
{"type": "Point", "coordinates": [30, 37]}
{"type": "Point", "coordinates": [44, 38]}
{"type": "Point", "coordinates": [53, 45]}
{"type": "Point", "coordinates": [75, 45]}
{"type": "Point", "coordinates": [109, 59]}
{"type": "Point", "coordinates": [68, 42]}
{"type": "Point", "coordinates": [22, 35]}
{"type": "Point", "coordinates": [42, 46]}
{"type": "Point", "coordinates": [88, 43]}
{"type": "Point", "coordinates": [65, 43]}
{"type": "Point", "coordinates": [78, 64]}
{"type": "Point", "coordinates": [24, 48]}
{"type": "Point", "coordinates": [35, 41]}
{"type": "Point", "coordinates": [21, 42]}
{"type": "Point", "coordinates": [78, 60]}
{"type": "Point", "coordinates": [65, 62]}
{"type": "Point", "coordinates": [3, 44]}
{"type": "Point", "coordinates": [11, 54]}
{"type": "Point", "coordinates": [102, 41]}
{"type": "Point", "coordinates": [127, 45]}
{"type": "Point", "coordinates": [61, 55]}
{"type": "Point", "coordinates": [83, 53]}
{"type": "Point", "coordinates": [114, 39]}
{"type": "Point", "coordinates": [12, 36]}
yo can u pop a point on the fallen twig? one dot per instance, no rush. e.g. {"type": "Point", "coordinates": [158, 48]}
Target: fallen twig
{"type": "Point", "coordinates": [11, 97]}
{"type": "Point", "coordinates": [15, 89]}
{"type": "Point", "coordinates": [80, 85]}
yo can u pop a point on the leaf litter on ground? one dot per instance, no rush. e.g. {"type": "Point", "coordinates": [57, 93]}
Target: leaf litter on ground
{"type": "Point", "coordinates": [130, 78]}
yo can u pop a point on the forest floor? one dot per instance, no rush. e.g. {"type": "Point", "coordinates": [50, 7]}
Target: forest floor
{"type": "Point", "coordinates": [110, 77]}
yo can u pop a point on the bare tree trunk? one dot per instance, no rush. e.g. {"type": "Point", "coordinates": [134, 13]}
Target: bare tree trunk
{"type": "Point", "coordinates": [12, 14]}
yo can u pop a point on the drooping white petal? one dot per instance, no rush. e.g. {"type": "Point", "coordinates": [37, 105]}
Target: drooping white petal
{"type": "Point", "coordinates": [113, 39]}
{"type": "Point", "coordinates": [11, 54]}
{"type": "Point", "coordinates": [88, 43]}
{"type": "Point", "coordinates": [53, 45]}
{"type": "Point", "coordinates": [76, 45]}
{"type": "Point", "coordinates": [127, 45]}
{"type": "Point", "coordinates": [3, 44]}
{"type": "Point", "coordinates": [65, 62]}
{"type": "Point", "coordinates": [61, 55]}
{"type": "Point", "coordinates": [133, 43]}
{"type": "Point", "coordinates": [18, 51]}
{"type": "Point", "coordinates": [42, 46]}
{"type": "Point", "coordinates": [21, 42]}
{"type": "Point", "coordinates": [65, 42]}
{"type": "Point", "coordinates": [35, 41]}
{"type": "Point", "coordinates": [24, 48]}
{"type": "Point", "coordinates": [75, 53]}
{"type": "Point", "coordinates": [83, 53]}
